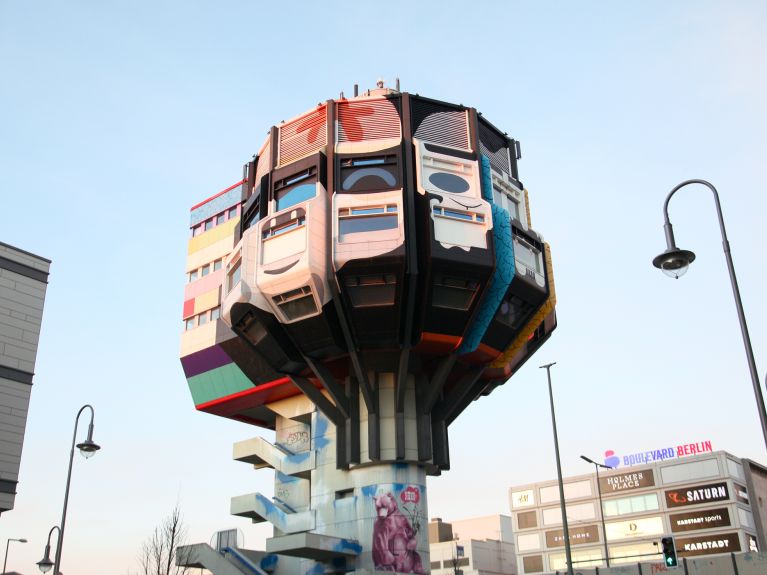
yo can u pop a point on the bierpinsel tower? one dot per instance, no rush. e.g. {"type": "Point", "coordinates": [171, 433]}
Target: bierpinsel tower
{"type": "Point", "coordinates": [373, 273]}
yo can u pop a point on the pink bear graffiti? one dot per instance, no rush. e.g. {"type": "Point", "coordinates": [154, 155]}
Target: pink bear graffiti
{"type": "Point", "coordinates": [394, 539]}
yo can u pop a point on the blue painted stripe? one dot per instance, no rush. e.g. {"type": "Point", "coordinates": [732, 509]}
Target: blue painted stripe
{"type": "Point", "coordinates": [215, 206]}
{"type": "Point", "coordinates": [504, 266]}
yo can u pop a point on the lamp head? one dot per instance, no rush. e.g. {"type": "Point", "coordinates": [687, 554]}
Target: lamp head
{"type": "Point", "coordinates": [88, 448]}
{"type": "Point", "coordinates": [45, 563]}
{"type": "Point", "coordinates": [22, 540]}
{"type": "Point", "coordinates": [674, 262]}
{"type": "Point", "coordinates": [586, 459]}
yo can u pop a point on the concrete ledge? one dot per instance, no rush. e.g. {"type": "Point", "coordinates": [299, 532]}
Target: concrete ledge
{"type": "Point", "coordinates": [313, 546]}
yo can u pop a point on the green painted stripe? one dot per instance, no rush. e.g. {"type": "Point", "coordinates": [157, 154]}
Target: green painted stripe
{"type": "Point", "coordinates": [217, 383]}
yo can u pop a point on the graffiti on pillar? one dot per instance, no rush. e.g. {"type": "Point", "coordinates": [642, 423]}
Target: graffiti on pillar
{"type": "Point", "coordinates": [395, 535]}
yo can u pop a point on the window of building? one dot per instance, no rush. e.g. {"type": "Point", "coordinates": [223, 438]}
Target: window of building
{"type": "Point", "coordinates": [205, 270]}
{"type": "Point", "coordinates": [192, 275]}
{"type": "Point", "coordinates": [233, 212]}
{"type": "Point", "coordinates": [190, 323]}
{"type": "Point", "coordinates": [215, 313]}
{"type": "Point", "coordinates": [506, 202]}
{"type": "Point", "coordinates": [532, 564]}
{"type": "Point", "coordinates": [458, 214]}
{"type": "Point", "coordinates": [233, 276]}
{"type": "Point", "coordinates": [634, 504]}
{"type": "Point", "coordinates": [291, 225]}
{"type": "Point", "coordinates": [371, 290]}
{"type": "Point", "coordinates": [527, 520]}
{"type": "Point", "coordinates": [208, 224]}
{"type": "Point", "coordinates": [690, 471]}
{"type": "Point", "coordinates": [217, 265]}
{"type": "Point", "coordinates": [296, 303]}
{"type": "Point", "coordinates": [197, 230]}
{"type": "Point", "coordinates": [220, 218]}
{"type": "Point", "coordinates": [345, 493]}
{"type": "Point", "coordinates": [203, 318]}
{"type": "Point", "coordinates": [369, 173]}
{"type": "Point", "coordinates": [527, 255]}
{"type": "Point", "coordinates": [366, 219]}
{"type": "Point", "coordinates": [295, 189]}
{"type": "Point", "coordinates": [453, 293]}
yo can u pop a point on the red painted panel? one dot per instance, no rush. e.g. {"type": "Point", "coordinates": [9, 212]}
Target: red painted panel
{"type": "Point", "coordinates": [188, 308]}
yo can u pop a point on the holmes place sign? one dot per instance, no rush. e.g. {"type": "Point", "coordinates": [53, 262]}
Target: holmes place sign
{"type": "Point", "coordinates": [696, 495]}
{"type": "Point", "coordinates": [626, 481]}
{"type": "Point", "coordinates": [578, 535]}
{"type": "Point", "coordinates": [703, 519]}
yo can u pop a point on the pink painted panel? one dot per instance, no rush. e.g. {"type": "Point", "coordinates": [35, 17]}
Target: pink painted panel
{"type": "Point", "coordinates": [203, 285]}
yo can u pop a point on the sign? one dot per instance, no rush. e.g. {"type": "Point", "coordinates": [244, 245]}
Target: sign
{"type": "Point", "coordinates": [524, 498]}
{"type": "Point", "coordinates": [658, 454]}
{"type": "Point", "coordinates": [643, 527]}
{"type": "Point", "coordinates": [741, 495]}
{"type": "Point", "coordinates": [627, 481]}
{"type": "Point", "coordinates": [697, 495]}
{"type": "Point", "coordinates": [708, 544]}
{"type": "Point", "coordinates": [702, 519]}
{"type": "Point", "coordinates": [578, 536]}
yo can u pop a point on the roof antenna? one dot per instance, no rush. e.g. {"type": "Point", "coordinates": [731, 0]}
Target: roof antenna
{"type": "Point", "coordinates": [397, 83]}
{"type": "Point", "coordinates": [342, 95]}
{"type": "Point", "coordinates": [356, 90]}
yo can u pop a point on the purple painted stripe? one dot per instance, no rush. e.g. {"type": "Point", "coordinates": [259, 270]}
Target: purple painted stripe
{"type": "Point", "coordinates": [204, 360]}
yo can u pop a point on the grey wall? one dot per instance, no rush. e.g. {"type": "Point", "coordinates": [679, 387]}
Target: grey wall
{"type": "Point", "coordinates": [23, 281]}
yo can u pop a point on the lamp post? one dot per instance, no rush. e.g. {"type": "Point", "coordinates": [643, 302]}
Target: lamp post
{"type": "Point", "coordinates": [45, 563]}
{"type": "Point", "coordinates": [565, 528]}
{"type": "Point", "coordinates": [87, 449]}
{"type": "Point", "coordinates": [674, 263]}
{"type": "Point", "coordinates": [5, 563]}
{"type": "Point", "coordinates": [601, 510]}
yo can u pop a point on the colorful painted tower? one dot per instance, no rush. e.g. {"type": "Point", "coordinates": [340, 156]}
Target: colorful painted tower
{"type": "Point", "coordinates": [374, 272]}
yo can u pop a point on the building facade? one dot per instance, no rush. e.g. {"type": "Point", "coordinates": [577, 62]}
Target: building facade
{"type": "Point", "coordinates": [710, 503]}
{"type": "Point", "coordinates": [477, 546]}
{"type": "Point", "coordinates": [23, 281]}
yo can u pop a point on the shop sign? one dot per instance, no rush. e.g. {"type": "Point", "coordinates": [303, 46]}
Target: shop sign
{"type": "Point", "coordinates": [627, 481]}
{"type": "Point", "coordinates": [741, 495]}
{"type": "Point", "coordinates": [578, 535]}
{"type": "Point", "coordinates": [642, 527]}
{"type": "Point", "coordinates": [697, 495]}
{"type": "Point", "coordinates": [702, 519]}
{"type": "Point", "coordinates": [707, 544]}
{"type": "Point", "coordinates": [524, 498]}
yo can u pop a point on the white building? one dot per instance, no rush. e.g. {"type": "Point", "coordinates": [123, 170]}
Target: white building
{"type": "Point", "coordinates": [478, 546]}
{"type": "Point", "coordinates": [710, 502]}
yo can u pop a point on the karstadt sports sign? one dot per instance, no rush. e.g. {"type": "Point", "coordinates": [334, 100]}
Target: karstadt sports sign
{"type": "Point", "coordinates": [659, 454]}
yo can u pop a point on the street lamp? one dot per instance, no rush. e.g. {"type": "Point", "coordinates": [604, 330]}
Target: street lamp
{"type": "Point", "coordinates": [5, 563]}
{"type": "Point", "coordinates": [601, 510]}
{"type": "Point", "coordinates": [45, 563]}
{"type": "Point", "coordinates": [87, 448]}
{"type": "Point", "coordinates": [674, 262]}
{"type": "Point", "coordinates": [565, 528]}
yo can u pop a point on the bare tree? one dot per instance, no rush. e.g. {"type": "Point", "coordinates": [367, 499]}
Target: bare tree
{"type": "Point", "coordinates": [158, 553]}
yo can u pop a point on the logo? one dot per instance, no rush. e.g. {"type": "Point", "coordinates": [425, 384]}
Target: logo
{"type": "Point", "coordinates": [612, 460]}
{"type": "Point", "coordinates": [695, 495]}
{"type": "Point", "coordinates": [410, 495]}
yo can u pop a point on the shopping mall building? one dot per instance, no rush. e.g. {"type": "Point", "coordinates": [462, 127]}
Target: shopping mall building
{"type": "Point", "coordinates": [711, 502]}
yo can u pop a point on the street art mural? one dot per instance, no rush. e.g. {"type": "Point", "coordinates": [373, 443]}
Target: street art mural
{"type": "Point", "coordinates": [372, 273]}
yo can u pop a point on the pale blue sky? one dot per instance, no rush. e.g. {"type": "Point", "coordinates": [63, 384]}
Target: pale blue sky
{"type": "Point", "coordinates": [115, 118]}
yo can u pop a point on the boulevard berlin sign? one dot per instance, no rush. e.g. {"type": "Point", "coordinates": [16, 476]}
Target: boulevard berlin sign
{"type": "Point", "coordinates": [659, 454]}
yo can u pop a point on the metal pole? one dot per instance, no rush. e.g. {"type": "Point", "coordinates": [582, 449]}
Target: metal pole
{"type": "Point", "coordinates": [736, 293]}
{"type": "Point", "coordinates": [566, 530]}
{"type": "Point", "coordinates": [602, 516]}
{"type": "Point", "coordinates": [60, 545]}
{"type": "Point", "coordinates": [5, 563]}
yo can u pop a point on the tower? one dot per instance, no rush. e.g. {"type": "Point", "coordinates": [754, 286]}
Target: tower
{"type": "Point", "coordinates": [374, 272]}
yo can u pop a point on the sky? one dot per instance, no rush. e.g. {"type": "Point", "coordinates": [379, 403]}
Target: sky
{"type": "Point", "coordinates": [117, 117]}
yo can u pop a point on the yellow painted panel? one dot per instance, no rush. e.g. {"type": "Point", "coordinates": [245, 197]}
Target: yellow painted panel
{"type": "Point", "coordinates": [206, 301]}
{"type": "Point", "coordinates": [220, 249]}
{"type": "Point", "coordinates": [212, 236]}
{"type": "Point", "coordinates": [527, 208]}
{"type": "Point", "coordinates": [535, 321]}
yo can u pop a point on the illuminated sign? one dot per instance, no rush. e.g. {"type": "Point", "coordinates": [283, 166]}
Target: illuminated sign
{"type": "Point", "coordinates": [634, 528]}
{"type": "Point", "coordinates": [703, 519]}
{"type": "Point", "coordinates": [627, 481]}
{"type": "Point", "coordinates": [522, 498]}
{"type": "Point", "coordinates": [707, 544]}
{"type": "Point", "coordinates": [659, 454]}
{"type": "Point", "coordinates": [740, 493]}
{"type": "Point", "coordinates": [696, 495]}
{"type": "Point", "coordinates": [578, 535]}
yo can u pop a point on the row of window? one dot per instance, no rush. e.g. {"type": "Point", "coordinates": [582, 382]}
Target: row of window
{"type": "Point", "coordinates": [216, 220]}
{"type": "Point", "coordinates": [205, 270]}
{"type": "Point", "coordinates": [202, 318]}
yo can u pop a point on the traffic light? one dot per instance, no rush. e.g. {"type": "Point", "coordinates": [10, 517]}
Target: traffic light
{"type": "Point", "coordinates": [669, 551]}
